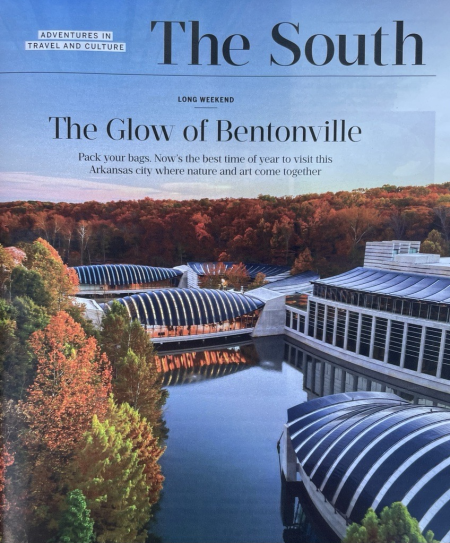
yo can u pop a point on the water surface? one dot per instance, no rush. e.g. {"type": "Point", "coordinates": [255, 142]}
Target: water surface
{"type": "Point", "coordinates": [221, 465]}
{"type": "Point", "coordinates": [225, 413]}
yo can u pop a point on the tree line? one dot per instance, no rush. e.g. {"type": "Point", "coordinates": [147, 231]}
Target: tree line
{"type": "Point", "coordinates": [324, 231]}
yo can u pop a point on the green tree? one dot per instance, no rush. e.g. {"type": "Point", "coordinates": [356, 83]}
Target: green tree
{"type": "Point", "coordinates": [8, 337]}
{"type": "Point", "coordinates": [26, 317]}
{"type": "Point", "coordinates": [395, 525]}
{"type": "Point", "coordinates": [60, 281]}
{"type": "Point", "coordinates": [136, 379]}
{"type": "Point", "coordinates": [109, 473]}
{"type": "Point", "coordinates": [434, 244]}
{"type": "Point", "coordinates": [75, 525]}
{"type": "Point", "coordinates": [6, 267]}
{"type": "Point", "coordinates": [115, 338]}
{"type": "Point", "coordinates": [29, 283]}
{"type": "Point", "coordinates": [137, 429]}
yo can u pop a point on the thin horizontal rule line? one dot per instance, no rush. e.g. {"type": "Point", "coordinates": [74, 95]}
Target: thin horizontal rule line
{"type": "Point", "coordinates": [225, 76]}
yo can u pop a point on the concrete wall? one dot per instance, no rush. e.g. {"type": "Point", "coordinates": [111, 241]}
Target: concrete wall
{"type": "Point", "coordinates": [388, 370]}
{"type": "Point", "coordinates": [332, 517]}
{"type": "Point", "coordinates": [189, 279]}
{"type": "Point", "coordinates": [272, 318]}
{"type": "Point", "coordinates": [92, 310]}
{"type": "Point", "coordinates": [396, 256]}
{"type": "Point", "coordinates": [288, 457]}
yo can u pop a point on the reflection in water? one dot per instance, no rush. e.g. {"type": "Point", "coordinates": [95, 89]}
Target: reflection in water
{"type": "Point", "coordinates": [323, 377]}
{"type": "Point", "coordinates": [221, 470]}
{"type": "Point", "coordinates": [298, 516]}
{"type": "Point", "coordinates": [195, 366]}
{"type": "Point", "coordinates": [222, 480]}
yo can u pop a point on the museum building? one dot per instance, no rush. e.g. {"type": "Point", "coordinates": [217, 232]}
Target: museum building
{"type": "Point", "coordinates": [271, 272]}
{"type": "Point", "coordinates": [189, 312]}
{"type": "Point", "coordinates": [104, 277]}
{"type": "Point", "coordinates": [393, 311]}
{"type": "Point", "coordinates": [371, 449]}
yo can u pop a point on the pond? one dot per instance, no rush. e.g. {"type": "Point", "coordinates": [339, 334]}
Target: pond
{"type": "Point", "coordinates": [225, 415]}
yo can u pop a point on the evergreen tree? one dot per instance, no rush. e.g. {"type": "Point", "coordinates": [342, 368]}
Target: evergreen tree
{"type": "Point", "coordinates": [109, 473]}
{"type": "Point", "coordinates": [76, 525]}
{"type": "Point", "coordinates": [136, 428]}
{"type": "Point", "coordinates": [395, 525]}
{"type": "Point", "coordinates": [115, 337]}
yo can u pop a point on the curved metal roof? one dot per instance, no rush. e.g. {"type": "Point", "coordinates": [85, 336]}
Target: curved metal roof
{"type": "Point", "coordinates": [122, 274]}
{"type": "Point", "coordinates": [403, 285]}
{"type": "Point", "coordinates": [367, 449]}
{"type": "Point", "coordinates": [184, 306]}
{"type": "Point", "coordinates": [269, 270]}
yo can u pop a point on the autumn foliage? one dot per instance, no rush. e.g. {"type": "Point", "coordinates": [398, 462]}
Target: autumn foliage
{"type": "Point", "coordinates": [272, 230]}
{"type": "Point", "coordinates": [72, 383]}
{"type": "Point", "coordinates": [74, 458]}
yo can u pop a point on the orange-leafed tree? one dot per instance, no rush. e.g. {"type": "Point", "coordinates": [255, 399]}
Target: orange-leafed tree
{"type": "Point", "coordinates": [303, 262]}
{"type": "Point", "coordinates": [72, 383]}
{"type": "Point", "coordinates": [214, 273]}
{"type": "Point", "coordinates": [259, 281]}
{"type": "Point", "coordinates": [237, 276]}
{"type": "Point", "coordinates": [6, 460]}
{"type": "Point", "coordinates": [355, 225]}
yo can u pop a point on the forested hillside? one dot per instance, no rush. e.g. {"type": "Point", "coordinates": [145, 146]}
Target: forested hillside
{"type": "Point", "coordinates": [332, 227]}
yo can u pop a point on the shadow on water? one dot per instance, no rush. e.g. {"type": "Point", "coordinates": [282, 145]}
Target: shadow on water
{"type": "Point", "coordinates": [325, 375]}
{"type": "Point", "coordinates": [226, 407]}
{"type": "Point", "coordinates": [300, 521]}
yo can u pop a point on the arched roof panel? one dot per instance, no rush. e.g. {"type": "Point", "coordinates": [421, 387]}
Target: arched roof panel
{"type": "Point", "coordinates": [269, 270]}
{"type": "Point", "coordinates": [394, 430]}
{"type": "Point", "coordinates": [181, 307]}
{"type": "Point", "coordinates": [366, 450]}
{"type": "Point", "coordinates": [123, 274]}
{"type": "Point", "coordinates": [400, 284]}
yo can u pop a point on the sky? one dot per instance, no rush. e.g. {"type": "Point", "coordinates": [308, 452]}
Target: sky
{"type": "Point", "coordinates": [401, 114]}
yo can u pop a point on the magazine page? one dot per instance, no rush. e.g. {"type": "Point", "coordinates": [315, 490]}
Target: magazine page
{"type": "Point", "coordinates": [211, 214]}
